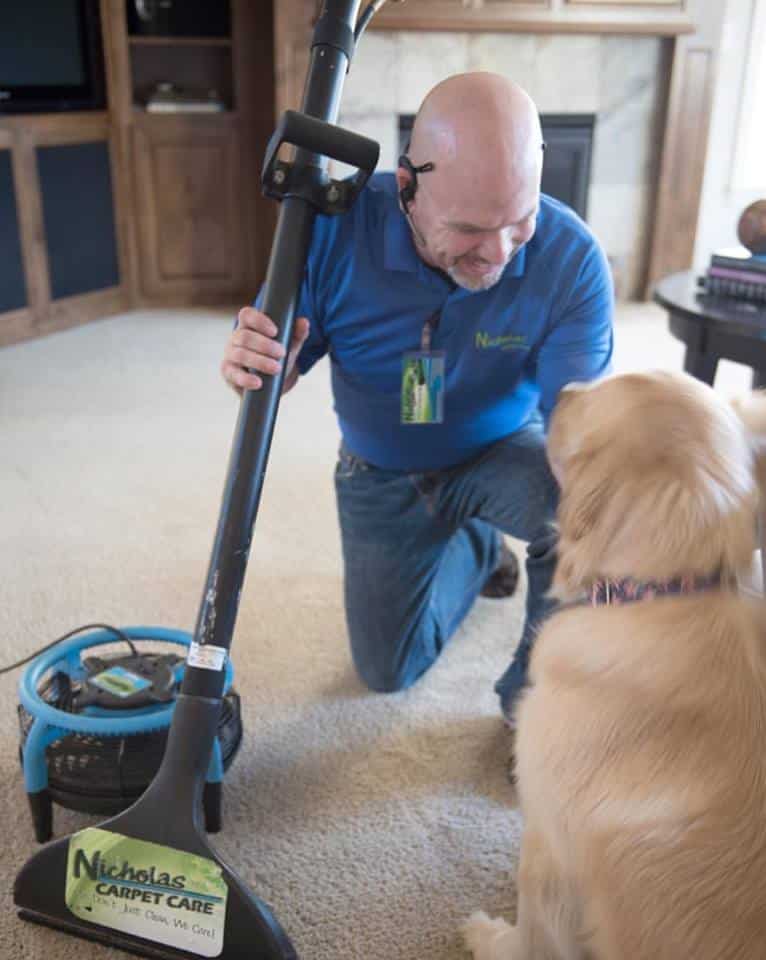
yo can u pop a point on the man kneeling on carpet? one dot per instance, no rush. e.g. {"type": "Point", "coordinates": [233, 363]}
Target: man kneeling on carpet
{"type": "Point", "coordinates": [455, 301]}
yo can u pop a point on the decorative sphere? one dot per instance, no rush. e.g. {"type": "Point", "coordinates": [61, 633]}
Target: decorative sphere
{"type": "Point", "coordinates": [751, 229]}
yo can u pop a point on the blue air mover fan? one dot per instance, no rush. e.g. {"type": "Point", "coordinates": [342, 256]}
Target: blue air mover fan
{"type": "Point", "coordinates": [94, 727]}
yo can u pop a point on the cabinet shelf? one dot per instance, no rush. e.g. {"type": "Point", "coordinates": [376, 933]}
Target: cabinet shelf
{"type": "Point", "coordinates": [163, 41]}
{"type": "Point", "coordinates": [199, 120]}
{"type": "Point", "coordinates": [193, 68]}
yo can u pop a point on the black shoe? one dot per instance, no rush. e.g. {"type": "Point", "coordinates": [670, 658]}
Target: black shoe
{"type": "Point", "coordinates": [502, 582]}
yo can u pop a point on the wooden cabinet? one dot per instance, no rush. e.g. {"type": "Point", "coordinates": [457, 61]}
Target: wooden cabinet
{"type": "Point", "coordinates": [105, 210]}
{"type": "Point", "coordinates": [190, 229]}
{"type": "Point", "coordinates": [61, 240]}
{"type": "Point", "coordinates": [200, 228]}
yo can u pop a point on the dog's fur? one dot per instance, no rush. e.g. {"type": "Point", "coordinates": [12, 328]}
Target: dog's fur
{"type": "Point", "coordinates": [641, 742]}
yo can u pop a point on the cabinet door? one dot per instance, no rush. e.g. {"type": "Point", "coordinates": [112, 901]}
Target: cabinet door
{"type": "Point", "coordinates": [13, 291]}
{"type": "Point", "coordinates": [187, 184]}
{"type": "Point", "coordinates": [78, 216]}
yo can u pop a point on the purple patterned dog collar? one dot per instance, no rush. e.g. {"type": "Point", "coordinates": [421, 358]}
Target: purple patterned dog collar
{"type": "Point", "coordinates": [628, 590]}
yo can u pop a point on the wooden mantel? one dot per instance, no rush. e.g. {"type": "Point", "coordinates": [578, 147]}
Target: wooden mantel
{"type": "Point", "coordinates": [641, 17]}
{"type": "Point", "coordinates": [692, 29]}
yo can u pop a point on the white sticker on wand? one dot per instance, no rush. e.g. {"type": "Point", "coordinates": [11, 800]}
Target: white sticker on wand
{"type": "Point", "coordinates": [206, 656]}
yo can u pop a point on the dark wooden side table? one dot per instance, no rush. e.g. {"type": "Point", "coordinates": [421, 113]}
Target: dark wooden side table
{"type": "Point", "coordinates": [713, 328]}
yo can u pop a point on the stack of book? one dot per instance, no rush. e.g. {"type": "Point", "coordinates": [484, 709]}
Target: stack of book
{"type": "Point", "coordinates": [735, 272]}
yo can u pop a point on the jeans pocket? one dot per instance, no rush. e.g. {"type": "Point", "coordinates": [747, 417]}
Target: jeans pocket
{"type": "Point", "coordinates": [348, 465]}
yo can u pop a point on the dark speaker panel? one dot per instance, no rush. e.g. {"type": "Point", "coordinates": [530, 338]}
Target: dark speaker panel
{"type": "Point", "coordinates": [78, 214]}
{"type": "Point", "coordinates": [13, 290]}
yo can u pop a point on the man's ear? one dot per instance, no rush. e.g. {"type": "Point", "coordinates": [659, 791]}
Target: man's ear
{"type": "Point", "coordinates": [405, 183]}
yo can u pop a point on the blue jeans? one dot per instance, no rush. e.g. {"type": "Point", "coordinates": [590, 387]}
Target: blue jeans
{"type": "Point", "coordinates": [417, 549]}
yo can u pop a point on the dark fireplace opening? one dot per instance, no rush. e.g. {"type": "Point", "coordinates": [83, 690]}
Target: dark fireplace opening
{"type": "Point", "coordinates": [568, 151]}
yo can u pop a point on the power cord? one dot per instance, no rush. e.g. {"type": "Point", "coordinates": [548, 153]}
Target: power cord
{"type": "Point", "coordinates": [119, 635]}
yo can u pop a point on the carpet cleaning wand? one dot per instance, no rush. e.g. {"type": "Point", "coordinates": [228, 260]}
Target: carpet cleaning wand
{"type": "Point", "coordinates": [147, 881]}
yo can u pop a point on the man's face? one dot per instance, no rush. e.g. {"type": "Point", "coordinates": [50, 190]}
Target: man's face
{"type": "Point", "coordinates": [472, 232]}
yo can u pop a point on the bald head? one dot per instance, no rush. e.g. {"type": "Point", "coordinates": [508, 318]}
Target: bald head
{"type": "Point", "coordinates": [477, 126]}
{"type": "Point", "coordinates": [478, 204]}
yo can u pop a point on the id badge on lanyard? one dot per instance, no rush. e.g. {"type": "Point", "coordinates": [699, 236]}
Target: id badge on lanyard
{"type": "Point", "coordinates": [423, 373]}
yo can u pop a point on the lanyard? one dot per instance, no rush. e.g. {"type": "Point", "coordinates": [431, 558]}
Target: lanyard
{"type": "Point", "coordinates": [429, 328]}
{"type": "Point", "coordinates": [423, 376]}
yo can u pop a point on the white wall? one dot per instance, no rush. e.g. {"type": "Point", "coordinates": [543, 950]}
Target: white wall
{"type": "Point", "coordinates": [722, 203]}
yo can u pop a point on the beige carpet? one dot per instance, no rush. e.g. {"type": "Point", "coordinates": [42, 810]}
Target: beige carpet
{"type": "Point", "coordinates": [372, 824]}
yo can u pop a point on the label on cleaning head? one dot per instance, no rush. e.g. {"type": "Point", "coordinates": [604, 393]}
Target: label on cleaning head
{"type": "Point", "coordinates": [206, 656]}
{"type": "Point", "coordinates": [119, 681]}
{"type": "Point", "coordinates": [147, 890]}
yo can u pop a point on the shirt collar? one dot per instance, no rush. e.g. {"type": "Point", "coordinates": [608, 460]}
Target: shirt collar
{"type": "Point", "coordinates": [399, 251]}
{"type": "Point", "coordinates": [398, 246]}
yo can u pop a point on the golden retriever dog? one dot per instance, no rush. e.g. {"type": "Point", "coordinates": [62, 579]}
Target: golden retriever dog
{"type": "Point", "coordinates": [641, 740]}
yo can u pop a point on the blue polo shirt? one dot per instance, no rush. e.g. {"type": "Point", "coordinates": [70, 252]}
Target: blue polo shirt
{"type": "Point", "coordinates": [508, 350]}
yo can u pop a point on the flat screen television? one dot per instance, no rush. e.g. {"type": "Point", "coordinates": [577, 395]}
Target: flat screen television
{"type": "Point", "coordinates": [51, 56]}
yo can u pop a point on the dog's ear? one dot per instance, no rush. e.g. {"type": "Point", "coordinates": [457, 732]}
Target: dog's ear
{"type": "Point", "coordinates": [751, 409]}
{"type": "Point", "coordinates": [582, 504]}
{"type": "Point", "coordinates": [564, 444]}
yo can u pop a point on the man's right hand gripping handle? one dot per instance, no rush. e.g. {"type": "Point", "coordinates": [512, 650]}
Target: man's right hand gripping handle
{"type": "Point", "coordinates": [252, 352]}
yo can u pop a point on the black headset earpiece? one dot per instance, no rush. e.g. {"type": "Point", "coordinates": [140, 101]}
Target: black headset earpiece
{"type": "Point", "coordinates": [407, 193]}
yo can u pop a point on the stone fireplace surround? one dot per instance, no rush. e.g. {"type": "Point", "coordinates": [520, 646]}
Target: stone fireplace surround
{"type": "Point", "coordinates": [623, 81]}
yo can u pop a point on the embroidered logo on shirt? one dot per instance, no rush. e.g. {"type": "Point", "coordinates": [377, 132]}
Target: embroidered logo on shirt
{"type": "Point", "coordinates": [507, 341]}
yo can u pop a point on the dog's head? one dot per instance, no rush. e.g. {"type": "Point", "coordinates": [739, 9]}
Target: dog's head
{"type": "Point", "coordinates": [658, 479]}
